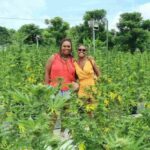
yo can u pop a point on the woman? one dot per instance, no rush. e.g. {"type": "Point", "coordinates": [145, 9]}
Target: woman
{"type": "Point", "coordinates": [86, 69]}
{"type": "Point", "coordinates": [60, 70]}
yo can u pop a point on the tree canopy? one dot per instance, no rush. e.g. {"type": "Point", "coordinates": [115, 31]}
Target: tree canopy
{"type": "Point", "coordinates": [4, 36]}
{"type": "Point", "coordinates": [131, 35]}
{"type": "Point", "coordinates": [133, 32]}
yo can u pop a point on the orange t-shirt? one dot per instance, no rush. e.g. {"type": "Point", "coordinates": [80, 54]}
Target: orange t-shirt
{"type": "Point", "coordinates": [63, 69]}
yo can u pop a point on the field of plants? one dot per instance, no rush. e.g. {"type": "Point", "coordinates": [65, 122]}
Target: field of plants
{"type": "Point", "coordinates": [121, 120]}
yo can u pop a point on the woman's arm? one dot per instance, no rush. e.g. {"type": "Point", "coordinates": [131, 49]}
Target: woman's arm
{"type": "Point", "coordinates": [96, 70]}
{"type": "Point", "coordinates": [94, 65]}
{"type": "Point", "coordinates": [48, 69]}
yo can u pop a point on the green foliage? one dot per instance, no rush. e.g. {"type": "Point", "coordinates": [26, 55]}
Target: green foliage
{"type": "Point", "coordinates": [29, 109]}
{"type": "Point", "coordinates": [131, 35]}
{"type": "Point", "coordinates": [28, 33]}
{"type": "Point", "coordinates": [4, 36]}
{"type": "Point", "coordinates": [146, 25]}
{"type": "Point", "coordinates": [47, 38]}
{"type": "Point", "coordinates": [124, 143]}
{"type": "Point", "coordinates": [94, 14]}
{"type": "Point", "coordinates": [57, 28]}
{"type": "Point", "coordinates": [27, 116]}
{"type": "Point", "coordinates": [83, 32]}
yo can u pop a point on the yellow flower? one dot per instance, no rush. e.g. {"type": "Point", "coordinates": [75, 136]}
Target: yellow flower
{"type": "Point", "coordinates": [99, 93]}
{"type": "Point", "coordinates": [107, 147]}
{"type": "Point", "coordinates": [106, 130]}
{"type": "Point", "coordinates": [112, 95]}
{"type": "Point", "coordinates": [147, 105]}
{"type": "Point", "coordinates": [90, 107]}
{"type": "Point", "coordinates": [9, 114]}
{"type": "Point", "coordinates": [31, 79]}
{"type": "Point", "coordinates": [109, 80]}
{"type": "Point", "coordinates": [81, 146]}
{"type": "Point", "coordinates": [21, 128]}
{"type": "Point", "coordinates": [106, 102]}
{"type": "Point", "coordinates": [119, 98]}
{"type": "Point", "coordinates": [80, 102]}
{"type": "Point", "coordinates": [94, 90]}
{"type": "Point", "coordinates": [28, 68]}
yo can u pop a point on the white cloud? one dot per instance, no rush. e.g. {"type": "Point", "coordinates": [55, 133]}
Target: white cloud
{"type": "Point", "coordinates": [92, 2]}
{"type": "Point", "coordinates": [19, 9]}
{"type": "Point", "coordinates": [73, 20]}
{"type": "Point", "coordinates": [72, 14]}
{"type": "Point", "coordinates": [144, 10]}
{"type": "Point", "coordinates": [113, 22]}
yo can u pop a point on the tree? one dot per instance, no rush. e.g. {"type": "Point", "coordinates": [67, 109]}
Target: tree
{"type": "Point", "coordinates": [12, 33]}
{"type": "Point", "coordinates": [146, 24]}
{"type": "Point", "coordinates": [28, 33]}
{"type": "Point", "coordinates": [83, 30]}
{"type": "Point", "coordinates": [131, 34]}
{"type": "Point", "coordinates": [57, 28]}
{"type": "Point", "coordinates": [79, 33]}
{"type": "Point", "coordinates": [4, 36]}
{"type": "Point", "coordinates": [47, 38]}
{"type": "Point", "coordinates": [97, 14]}
{"type": "Point", "coordinates": [112, 38]}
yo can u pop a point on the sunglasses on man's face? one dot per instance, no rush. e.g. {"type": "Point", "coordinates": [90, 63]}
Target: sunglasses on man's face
{"type": "Point", "coordinates": [81, 49]}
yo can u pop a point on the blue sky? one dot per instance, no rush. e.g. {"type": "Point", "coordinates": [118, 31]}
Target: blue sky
{"type": "Point", "coordinates": [71, 11]}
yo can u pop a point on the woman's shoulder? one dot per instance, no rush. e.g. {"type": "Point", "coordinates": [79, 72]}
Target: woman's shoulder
{"type": "Point", "coordinates": [52, 57]}
{"type": "Point", "coordinates": [55, 55]}
{"type": "Point", "coordinates": [74, 60]}
{"type": "Point", "coordinates": [91, 59]}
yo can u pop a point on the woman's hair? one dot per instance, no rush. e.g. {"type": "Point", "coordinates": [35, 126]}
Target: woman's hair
{"type": "Point", "coordinates": [82, 45]}
{"type": "Point", "coordinates": [64, 40]}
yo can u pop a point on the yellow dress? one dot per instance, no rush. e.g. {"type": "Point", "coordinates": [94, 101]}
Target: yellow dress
{"type": "Point", "coordinates": [86, 78]}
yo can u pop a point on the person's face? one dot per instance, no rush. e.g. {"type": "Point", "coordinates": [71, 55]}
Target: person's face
{"type": "Point", "coordinates": [82, 51]}
{"type": "Point", "coordinates": [66, 48]}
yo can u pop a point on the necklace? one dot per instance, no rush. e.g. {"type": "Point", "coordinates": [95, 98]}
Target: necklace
{"type": "Point", "coordinates": [65, 58]}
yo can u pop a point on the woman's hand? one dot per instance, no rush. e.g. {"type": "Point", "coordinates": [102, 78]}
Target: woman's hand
{"type": "Point", "coordinates": [75, 86]}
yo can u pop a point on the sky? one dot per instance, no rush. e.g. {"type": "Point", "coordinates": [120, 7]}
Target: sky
{"type": "Point", "coordinates": [72, 11]}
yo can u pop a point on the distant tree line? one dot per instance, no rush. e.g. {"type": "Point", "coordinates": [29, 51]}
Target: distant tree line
{"type": "Point", "coordinates": [133, 32]}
